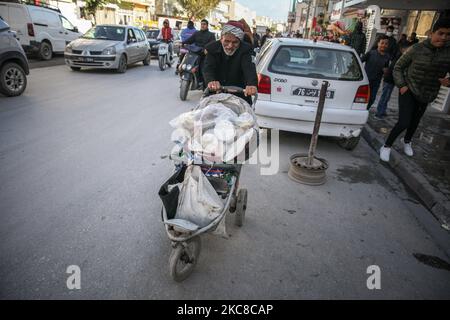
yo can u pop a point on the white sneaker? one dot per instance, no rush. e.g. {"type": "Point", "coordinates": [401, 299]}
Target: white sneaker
{"type": "Point", "coordinates": [407, 148]}
{"type": "Point", "coordinates": [385, 153]}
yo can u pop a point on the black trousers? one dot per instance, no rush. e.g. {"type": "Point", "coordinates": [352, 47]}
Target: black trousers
{"type": "Point", "coordinates": [410, 111]}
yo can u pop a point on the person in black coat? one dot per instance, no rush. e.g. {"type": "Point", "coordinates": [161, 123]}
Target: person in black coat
{"type": "Point", "coordinates": [201, 38]}
{"type": "Point", "coordinates": [228, 62]}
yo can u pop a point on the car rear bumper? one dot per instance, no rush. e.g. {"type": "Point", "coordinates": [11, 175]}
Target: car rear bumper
{"type": "Point", "coordinates": [294, 118]}
{"type": "Point", "coordinates": [102, 62]}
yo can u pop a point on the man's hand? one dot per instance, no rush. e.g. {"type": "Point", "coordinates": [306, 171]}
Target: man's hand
{"type": "Point", "coordinates": [214, 85]}
{"type": "Point", "coordinates": [250, 91]}
{"type": "Point", "coordinates": [403, 90]}
{"type": "Point", "coordinates": [445, 82]}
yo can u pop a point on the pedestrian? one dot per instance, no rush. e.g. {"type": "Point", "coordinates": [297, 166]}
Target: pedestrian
{"type": "Point", "coordinates": [413, 39]}
{"type": "Point", "coordinates": [265, 37]}
{"type": "Point", "coordinates": [419, 74]}
{"type": "Point", "coordinates": [256, 38]}
{"type": "Point", "coordinates": [358, 39]}
{"type": "Point", "coordinates": [403, 42]}
{"type": "Point", "coordinates": [377, 62]}
{"type": "Point", "coordinates": [388, 87]}
{"type": "Point", "coordinates": [392, 48]}
{"type": "Point", "coordinates": [248, 37]}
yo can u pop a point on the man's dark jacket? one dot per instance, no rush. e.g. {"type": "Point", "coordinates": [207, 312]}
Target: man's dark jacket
{"type": "Point", "coordinates": [236, 70]}
{"type": "Point", "coordinates": [201, 38]}
{"type": "Point", "coordinates": [420, 68]}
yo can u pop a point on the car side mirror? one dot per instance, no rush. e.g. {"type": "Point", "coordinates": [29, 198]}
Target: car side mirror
{"type": "Point", "coordinates": [75, 29]}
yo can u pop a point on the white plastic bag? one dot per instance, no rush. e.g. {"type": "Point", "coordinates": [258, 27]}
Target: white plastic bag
{"type": "Point", "coordinates": [198, 201]}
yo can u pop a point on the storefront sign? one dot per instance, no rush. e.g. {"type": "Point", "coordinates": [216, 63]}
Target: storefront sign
{"type": "Point", "coordinates": [349, 3]}
{"type": "Point", "coordinates": [336, 13]}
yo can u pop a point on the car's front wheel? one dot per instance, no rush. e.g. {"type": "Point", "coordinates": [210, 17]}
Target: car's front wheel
{"type": "Point", "coordinates": [75, 68]}
{"type": "Point", "coordinates": [13, 80]}
{"type": "Point", "coordinates": [349, 143]}
{"type": "Point", "coordinates": [122, 64]}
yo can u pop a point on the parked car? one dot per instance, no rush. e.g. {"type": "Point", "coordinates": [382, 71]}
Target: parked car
{"type": "Point", "coordinates": [108, 47]}
{"type": "Point", "coordinates": [40, 30]}
{"type": "Point", "coordinates": [13, 63]}
{"type": "Point", "coordinates": [290, 75]}
{"type": "Point", "coordinates": [153, 42]}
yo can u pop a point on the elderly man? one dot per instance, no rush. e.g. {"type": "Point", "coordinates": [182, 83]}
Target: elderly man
{"type": "Point", "coordinates": [228, 62]}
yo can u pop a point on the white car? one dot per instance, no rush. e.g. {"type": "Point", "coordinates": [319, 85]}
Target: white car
{"type": "Point", "coordinates": [40, 29]}
{"type": "Point", "coordinates": [290, 75]}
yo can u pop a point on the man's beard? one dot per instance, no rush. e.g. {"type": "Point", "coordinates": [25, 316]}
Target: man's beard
{"type": "Point", "coordinates": [228, 54]}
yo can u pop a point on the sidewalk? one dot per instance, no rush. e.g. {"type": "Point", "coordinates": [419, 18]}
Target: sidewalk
{"type": "Point", "coordinates": [427, 173]}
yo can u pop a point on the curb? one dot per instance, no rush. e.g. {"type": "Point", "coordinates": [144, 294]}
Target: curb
{"type": "Point", "coordinates": [433, 200]}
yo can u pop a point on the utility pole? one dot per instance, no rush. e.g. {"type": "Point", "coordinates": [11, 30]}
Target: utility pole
{"type": "Point", "coordinates": [307, 18]}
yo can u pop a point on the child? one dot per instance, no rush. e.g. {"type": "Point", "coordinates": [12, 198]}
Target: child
{"type": "Point", "coordinates": [377, 61]}
{"type": "Point", "coordinates": [388, 87]}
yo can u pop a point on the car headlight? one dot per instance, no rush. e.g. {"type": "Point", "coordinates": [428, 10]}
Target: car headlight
{"type": "Point", "coordinates": [183, 67]}
{"type": "Point", "coordinates": [188, 67]}
{"type": "Point", "coordinates": [109, 51]}
{"type": "Point", "coordinates": [155, 46]}
{"type": "Point", "coordinates": [69, 48]}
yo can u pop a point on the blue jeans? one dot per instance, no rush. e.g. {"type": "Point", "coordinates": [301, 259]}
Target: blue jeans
{"type": "Point", "coordinates": [385, 96]}
{"type": "Point", "coordinates": [374, 86]}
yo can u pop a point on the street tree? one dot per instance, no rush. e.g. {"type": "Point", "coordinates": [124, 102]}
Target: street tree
{"type": "Point", "coordinates": [198, 9]}
{"type": "Point", "coordinates": [91, 7]}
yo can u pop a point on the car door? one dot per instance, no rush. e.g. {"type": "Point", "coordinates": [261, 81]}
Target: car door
{"type": "Point", "coordinates": [48, 27]}
{"type": "Point", "coordinates": [70, 32]}
{"type": "Point", "coordinates": [141, 47]}
{"type": "Point", "coordinates": [132, 44]}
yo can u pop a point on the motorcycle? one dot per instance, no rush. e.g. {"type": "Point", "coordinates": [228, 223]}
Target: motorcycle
{"type": "Point", "coordinates": [165, 60]}
{"type": "Point", "coordinates": [189, 71]}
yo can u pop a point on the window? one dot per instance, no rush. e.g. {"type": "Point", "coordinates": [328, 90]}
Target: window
{"type": "Point", "coordinates": [66, 23]}
{"type": "Point", "coordinates": [131, 36]}
{"type": "Point", "coordinates": [106, 33]}
{"type": "Point", "coordinates": [138, 35]}
{"type": "Point", "coordinates": [264, 50]}
{"type": "Point", "coordinates": [317, 63]}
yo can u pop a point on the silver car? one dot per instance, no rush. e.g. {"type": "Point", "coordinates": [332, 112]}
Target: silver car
{"type": "Point", "coordinates": [108, 47]}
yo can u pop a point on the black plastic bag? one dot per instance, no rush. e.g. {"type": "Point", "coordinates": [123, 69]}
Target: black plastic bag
{"type": "Point", "coordinates": [170, 199]}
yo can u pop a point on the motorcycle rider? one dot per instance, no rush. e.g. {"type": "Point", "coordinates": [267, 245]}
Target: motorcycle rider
{"type": "Point", "coordinates": [201, 38]}
{"type": "Point", "coordinates": [185, 34]}
{"type": "Point", "coordinates": [228, 62]}
{"type": "Point", "coordinates": [166, 35]}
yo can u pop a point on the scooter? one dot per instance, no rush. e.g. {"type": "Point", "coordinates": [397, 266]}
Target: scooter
{"type": "Point", "coordinates": [189, 71]}
{"type": "Point", "coordinates": [165, 60]}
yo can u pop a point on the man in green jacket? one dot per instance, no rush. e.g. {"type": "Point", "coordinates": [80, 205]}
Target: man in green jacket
{"type": "Point", "coordinates": [419, 74]}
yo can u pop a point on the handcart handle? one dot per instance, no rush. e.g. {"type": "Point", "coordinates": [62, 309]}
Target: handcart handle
{"type": "Point", "coordinates": [223, 89]}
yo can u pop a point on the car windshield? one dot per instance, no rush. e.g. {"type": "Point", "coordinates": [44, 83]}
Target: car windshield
{"type": "Point", "coordinates": [319, 63]}
{"type": "Point", "coordinates": [106, 33]}
{"type": "Point", "coordinates": [152, 34]}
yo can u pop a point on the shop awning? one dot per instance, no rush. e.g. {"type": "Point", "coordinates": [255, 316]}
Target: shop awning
{"type": "Point", "coordinates": [404, 4]}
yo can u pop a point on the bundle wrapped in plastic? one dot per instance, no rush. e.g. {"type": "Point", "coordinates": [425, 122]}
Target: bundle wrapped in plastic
{"type": "Point", "coordinates": [217, 130]}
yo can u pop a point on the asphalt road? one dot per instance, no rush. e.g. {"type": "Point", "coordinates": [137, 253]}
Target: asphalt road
{"type": "Point", "coordinates": [82, 156]}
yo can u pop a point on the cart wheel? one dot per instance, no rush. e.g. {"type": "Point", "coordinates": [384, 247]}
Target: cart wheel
{"type": "Point", "coordinates": [233, 203]}
{"type": "Point", "coordinates": [184, 258]}
{"type": "Point", "coordinates": [241, 207]}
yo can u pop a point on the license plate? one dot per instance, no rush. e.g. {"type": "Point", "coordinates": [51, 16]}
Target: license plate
{"type": "Point", "coordinates": [86, 59]}
{"type": "Point", "coordinates": [311, 92]}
